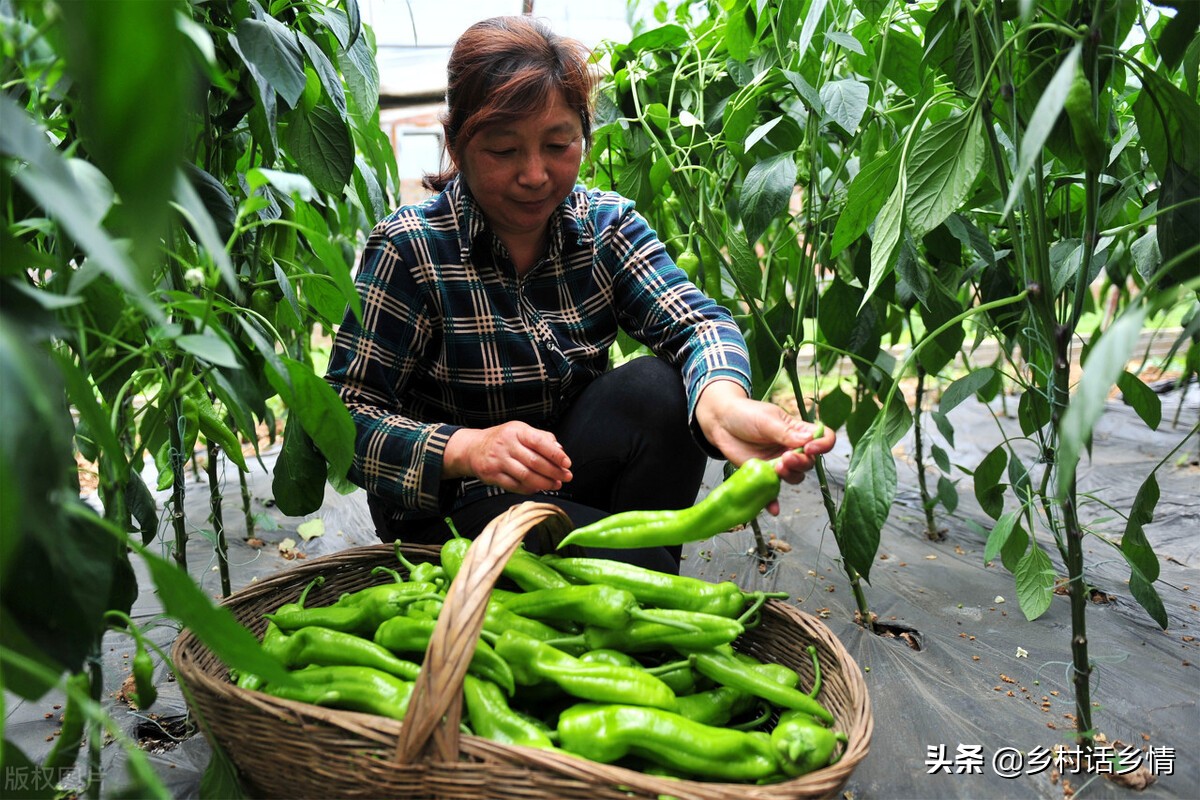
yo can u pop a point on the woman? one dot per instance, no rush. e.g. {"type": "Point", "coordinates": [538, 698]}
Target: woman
{"type": "Point", "coordinates": [478, 376]}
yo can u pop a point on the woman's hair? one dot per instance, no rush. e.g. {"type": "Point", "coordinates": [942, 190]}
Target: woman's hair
{"type": "Point", "coordinates": [505, 68]}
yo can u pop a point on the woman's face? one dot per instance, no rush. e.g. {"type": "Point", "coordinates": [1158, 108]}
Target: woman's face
{"type": "Point", "coordinates": [520, 171]}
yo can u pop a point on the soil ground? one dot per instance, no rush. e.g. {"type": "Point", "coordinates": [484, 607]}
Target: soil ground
{"type": "Point", "coordinates": [958, 677]}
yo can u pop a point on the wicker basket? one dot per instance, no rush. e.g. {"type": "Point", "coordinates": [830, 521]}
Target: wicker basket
{"type": "Point", "coordinates": [289, 749]}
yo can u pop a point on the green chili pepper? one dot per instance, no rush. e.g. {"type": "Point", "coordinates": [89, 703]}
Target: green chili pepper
{"type": "Point", "coordinates": [531, 573]}
{"type": "Point", "coordinates": [353, 688]}
{"type": "Point", "coordinates": [452, 555]}
{"type": "Point", "coordinates": [407, 635]}
{"type": "Point", "coordinates": [359, 612]}
{"type": "Point", "coordinates": [65, 750]}
{"type": "Point", "coordinates": [678, 675]}
{"type": "Point", "coordinates": [715, 706]}
{"type": "Point", "coordinates": [735, 501]}
{"type": "Point", "coordinates": [590, 604]}
{"type": "Point", "coordinates": [654, 588]}
{"type": "Point", "coordinates": [492, 718]}
{"type": "Point", "coordinates": [1086, 130]}
{"type": "Point", "coordinates": [688, 632]}
{"type": "Point", "coordinates": [424, 572]}
{"type": "Point", "coordinates": [802, 744]}
{"type": "Point", "coordinates": [779, 673]}
{"type": "Point", "coordinates": [689, 262]}
{"type": "Point", "coordinates": [720, 665]}
{"type": "Point", "coordinates": [143, 678]}
{"type": "Point", "coordinates": [534, 661]}
{"type": "Point", "coordinates": [497, 619]}
{"type": "Point", "coordinates": [614, 657]}
{"type": "Point", "coordinates": [607, 733]}
{"type": "Point", "coordinates": [327, 647]}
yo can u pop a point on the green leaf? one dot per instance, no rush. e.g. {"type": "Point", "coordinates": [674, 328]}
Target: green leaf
{"type": "Point", "coordinates": [1167, 119]}
{"type": "Point", "coordinates": [945, 428]}
{"type": "Point", "coordinates": [1033, 411]}
{"type": "Point", "coordinates": [1141, 398]}
{"type": "Point", "coordinates": [845, 102]}
{"type": "Point", "coordinates": [215, 626]}
{"type": "Point", "coordinates": [327, 73]}
{"type": "Point", "coordinates": [846, 40]}
{"type": "Point", "coordinates": [999, 536]}
{"type": "Point", "coordinates": [1143, 591]}
{"type": "Point", "coordinates": [833, 320]}
{"type": "Point", "coordinates": [865, 195]}
{"type": "Point", "coordinates": [1134, 544]}
{"type": "Point", "coordinates": [812, 19]}
{"type": "Point", "coordinates": [835, 407]}
{"type": "Point", "coordinates": [129, 104]}
{"type": "Point", "coordinates": [289, 183]}
{"type": "Point", "coordinates": [963, 388]}
{"type": "Point", "coordinates": [988, 489]}
{"type": "Point", "coordinates": [810, 96]}
{"type": "Point", "coordinates": [209, 347]}
{"type": "Point", "coordinates": [93, 412]}
{"type": "Point", "coordinates": [329, 256]}
{"type": "Point", "coordinates": [320, 411]}
{"type": "Point", "coordinates": [298, 481]}
{"type": "Point", "coordinates": [220, 779]}
{"type": "Point", "coordinates": [942, 167]}
{"type": "Point", "coordinates": [1018, 477]}
{"type": "Point", "coordinates": [361, 74]}
{"type": "Point", "coordinates": [947, 494]}
{"type": "Point", "coordinates": [271, 47]}
{"type": "Point", "coordinates": [1105, 363]}
{"type": "Point", "coordinates": [740, 34]}
{"type": "Point", "coordinates": [885, 241]}
{"type": "Point", "coordinates": [871, 9]}
{"type": "Point", "coordinates": [1035, 582]}
{"type": "Point", "coordinates": [204, 227]}
{"type": "Point", "coordinates": [321, 144]}
{"type": "Point", "coordinates": [766, 192]}
{"type": "Point", "coordinates": [902, 61]}
{"type": "Point", "coordinates": [744, 268]}
{"type": "Point", "coordinates": [870, 491]}
{"type": "Point", "coordinates": [50, 181]}
{"type": "Point", "coordinates": [1014, 549]}
{"type": "Point", "coordinates": [26, 776]}
{"type": "Point", "coordinates": [940, 457]}
{"type": "Point", "coordinates": [1045, 114]}
{"type": "Point", "coordinates": [663, 37]}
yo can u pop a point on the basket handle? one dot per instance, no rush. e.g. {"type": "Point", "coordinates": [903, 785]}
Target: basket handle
{"type": "Point", "coordinates": [435, 709]}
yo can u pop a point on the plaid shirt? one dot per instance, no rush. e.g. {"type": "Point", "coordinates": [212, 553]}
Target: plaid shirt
{"type": "Point", "coordinates": [451, 337]}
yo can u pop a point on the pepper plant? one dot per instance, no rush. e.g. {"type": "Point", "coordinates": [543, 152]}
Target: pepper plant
{"type": "Point", "coordinates": [184, 186]}
{"type": "Point", "coordinates": [871, 177]}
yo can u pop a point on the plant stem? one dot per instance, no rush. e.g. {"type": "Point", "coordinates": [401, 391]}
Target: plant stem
{"type": "Point", "coordinates": [927, 503]}
{"type": "Point", "coordinates": [178, 491]}
{"type": "Point", "coordinates": [246, 509]}
{"type": "Point", "coordinates": [218, 519]}
{"type": "Point", "coordinates": [860, 597]}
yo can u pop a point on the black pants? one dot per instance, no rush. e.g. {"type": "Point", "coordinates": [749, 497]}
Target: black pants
{"type": "Point", "coordinates": [631, 449]}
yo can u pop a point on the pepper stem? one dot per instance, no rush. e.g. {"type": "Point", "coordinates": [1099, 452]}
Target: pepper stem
{"type": "Point", "coordinates": [317, 581]}
{"type": "Point", "coordinates": [396, 575]}
{"type": "Point", "coordinates": [816, 689]}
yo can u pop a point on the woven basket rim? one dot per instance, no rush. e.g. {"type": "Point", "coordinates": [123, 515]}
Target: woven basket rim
{"type": "Point", "coordinates": [387, 734]}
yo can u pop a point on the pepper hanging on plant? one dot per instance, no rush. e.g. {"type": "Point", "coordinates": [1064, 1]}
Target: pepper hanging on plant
{"type": "Point", "coordinates": [141, 666]}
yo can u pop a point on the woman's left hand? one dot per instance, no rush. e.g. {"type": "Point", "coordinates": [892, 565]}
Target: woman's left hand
{"type": "Point", "coordinates": [743, 428]}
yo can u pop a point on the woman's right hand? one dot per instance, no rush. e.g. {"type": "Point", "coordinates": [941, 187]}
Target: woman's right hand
{"type": "Point", "coordinates": [514, 456]}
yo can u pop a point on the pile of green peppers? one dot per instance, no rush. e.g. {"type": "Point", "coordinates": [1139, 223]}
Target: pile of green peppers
{"type": "Point", "coordinates": [600, 659]}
